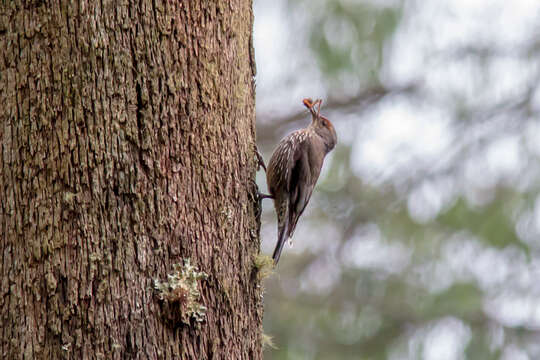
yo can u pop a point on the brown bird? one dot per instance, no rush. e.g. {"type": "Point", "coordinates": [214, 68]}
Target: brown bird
{"type": "Point", "coordinates": [294, 168]}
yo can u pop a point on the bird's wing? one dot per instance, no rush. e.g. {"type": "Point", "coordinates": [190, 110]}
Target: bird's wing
{"type": "Point", "coordinates": [300, 185]}
{"type": "Point", "coordinates": [288, 159]}
{"type": "Point", "coordinates": [279, 174]}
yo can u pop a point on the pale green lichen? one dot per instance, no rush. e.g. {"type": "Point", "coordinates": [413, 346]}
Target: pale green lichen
{"type": "Point", "coordinates": [264, 265]}
{"type": "Point", "coordinates": [181, 292]}
{"type": "Point", "coordinates": [267, 341]}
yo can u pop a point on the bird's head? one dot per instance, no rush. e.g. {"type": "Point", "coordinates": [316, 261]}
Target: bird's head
{"type": "Point", "coordinates": [320, 124]}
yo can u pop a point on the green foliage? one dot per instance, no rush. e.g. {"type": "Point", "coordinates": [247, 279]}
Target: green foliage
{"type": "Point", "coordinates": [462, 300]}
{"type": "Point", "coordinates": [479, 348]}
{"type": "Point", "coordinates": [490, 223]}
{"type": "Point", "coordinates": [349, 37]}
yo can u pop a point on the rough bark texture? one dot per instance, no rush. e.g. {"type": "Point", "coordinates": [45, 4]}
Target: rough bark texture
{"type": "Point", "coordinates": [126, 138]}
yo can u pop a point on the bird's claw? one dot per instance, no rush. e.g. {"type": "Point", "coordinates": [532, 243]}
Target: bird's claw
{"type": "Point", "coordinates": [259, 196]}
{"type": "Point", "coordinates": [260, 161]}
{"type": "Point", "coordinates": [265, 196]}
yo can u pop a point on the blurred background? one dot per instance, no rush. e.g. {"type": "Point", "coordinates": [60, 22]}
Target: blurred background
{"type": "Point", "coordinates": [422, 238]}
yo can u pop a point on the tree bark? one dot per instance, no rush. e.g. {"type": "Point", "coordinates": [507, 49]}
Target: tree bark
{"type": "Point", "coordinates": [127, 146]}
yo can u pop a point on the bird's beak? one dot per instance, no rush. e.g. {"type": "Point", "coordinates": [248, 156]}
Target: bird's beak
{"type": "Point", "coordinates": [310, 104]}
{"type": "Point", "coordinates": [319, 103]}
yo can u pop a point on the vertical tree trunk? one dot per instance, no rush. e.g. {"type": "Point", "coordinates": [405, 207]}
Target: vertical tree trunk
{"type": "Point", "coordinates": [127, 138]}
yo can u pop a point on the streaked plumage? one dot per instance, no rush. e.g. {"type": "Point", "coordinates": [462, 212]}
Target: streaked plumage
{"type": "Point", "coordinates": [294, 168]}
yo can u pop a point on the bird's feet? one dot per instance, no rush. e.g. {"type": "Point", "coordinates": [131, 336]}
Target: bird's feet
{"type": "Point", "coordinates": [259, 196]}
{"type": "Point", "coordinates": [260, 160]}
{"type": "Point", "coordinates": [265, 196]}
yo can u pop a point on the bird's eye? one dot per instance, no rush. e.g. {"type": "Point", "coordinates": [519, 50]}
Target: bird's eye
{"type": "Point", "coordinates": [325, 122]}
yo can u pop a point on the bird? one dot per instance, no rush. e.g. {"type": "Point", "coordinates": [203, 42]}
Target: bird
{"type": "Point", "coordinates": [294, 168]}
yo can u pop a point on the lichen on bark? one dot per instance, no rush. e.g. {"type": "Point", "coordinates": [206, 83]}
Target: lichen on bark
{"type": "Point", "coordinates": [180, 294]}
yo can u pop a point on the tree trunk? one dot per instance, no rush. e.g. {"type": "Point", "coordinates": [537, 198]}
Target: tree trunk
{"type": "Point", "coordinates": [127, 146]}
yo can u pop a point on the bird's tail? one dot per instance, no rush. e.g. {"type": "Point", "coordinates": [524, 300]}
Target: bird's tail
{"type": "Point", "coordinates": [283, 227]}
